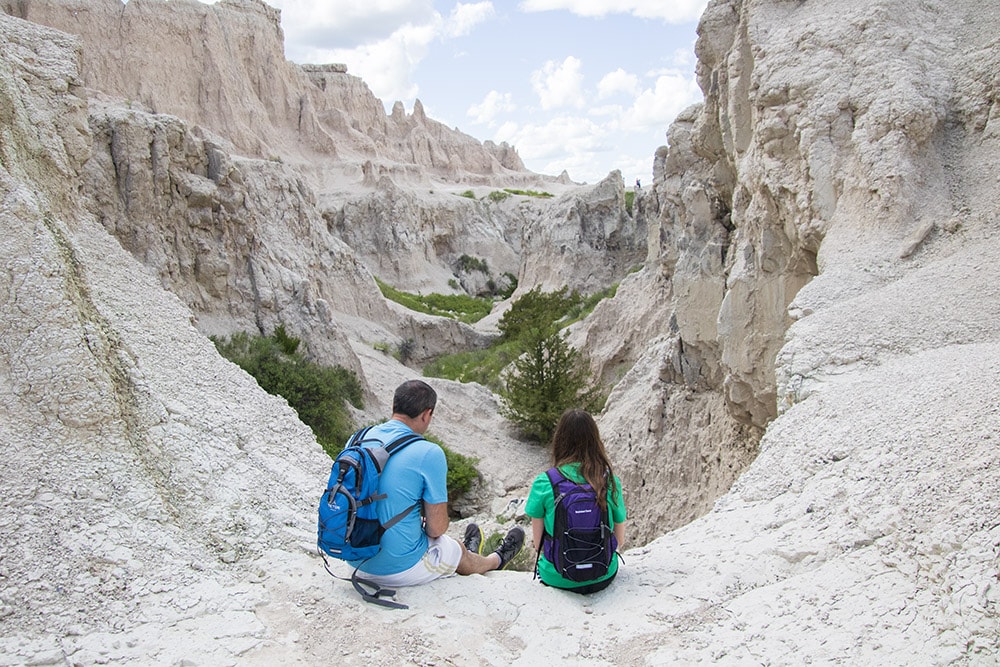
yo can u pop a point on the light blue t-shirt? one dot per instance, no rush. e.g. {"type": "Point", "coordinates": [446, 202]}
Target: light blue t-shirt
{"type": "Point", "coordinates": [418, 472]}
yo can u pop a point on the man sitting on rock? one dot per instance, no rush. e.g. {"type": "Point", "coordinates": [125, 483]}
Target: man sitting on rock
{"type": "Point", "coordinates": [416, 550]}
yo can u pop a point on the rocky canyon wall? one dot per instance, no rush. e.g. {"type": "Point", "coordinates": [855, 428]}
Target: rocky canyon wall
{"type": "Point", "coordinates": [144, 474]}
{"type": "Point", "coordinates": [264, 192]}
{"type": "Point", "coordinates": [248, 243]}
{"type": "Point", "coordinates": [809, 175]}
{"type": "Point", "coordinates": [112, 489]}
{"type": "Point", "coordinates": [234, 81]}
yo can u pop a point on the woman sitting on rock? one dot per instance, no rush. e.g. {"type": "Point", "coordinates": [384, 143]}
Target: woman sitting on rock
{"type": "Point", "coordinates": [577, 539]}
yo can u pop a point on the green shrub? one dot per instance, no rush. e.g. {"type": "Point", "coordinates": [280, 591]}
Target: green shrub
{"type": "Point", "coordinates": [482, 366]}
{"type": "Point", "coordinates": [468, 193]}
{"type": "Point", "coordinates": [529, 193]}
{"type": "Point", "coordinates": [629, 200]}
{"type": "Point", "coordinates": [498, 196]}
{"type": "Point", "coordinates": [288, 344]}
{"type": "Point", "coordinates": [468, 264]}
{"type": "Point", "coordinates": [462, 472]}
{"type": "Point", "coordinates": [461, 307]}
{"type": "Point", "coordinates": [405, 350]}
{"type": "Point", "coordinates": [506, 292]}
{"type": "Point", "coordinates": [317, 393]}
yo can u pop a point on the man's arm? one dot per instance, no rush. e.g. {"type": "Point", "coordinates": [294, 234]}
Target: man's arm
{"type": "Point", "coordinates": [436, 519]}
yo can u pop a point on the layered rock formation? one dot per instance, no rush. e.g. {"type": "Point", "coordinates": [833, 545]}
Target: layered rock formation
{"type": "Point", "coordinates": [234, 81]}
{"type": "Point", "coordinates": [252, 139]}
{"type": "Point", "coordinates": [816, 241]}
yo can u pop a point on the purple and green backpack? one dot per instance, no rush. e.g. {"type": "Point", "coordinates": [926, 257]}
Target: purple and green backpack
{"type": "Point", "coordinates": [583, 542]}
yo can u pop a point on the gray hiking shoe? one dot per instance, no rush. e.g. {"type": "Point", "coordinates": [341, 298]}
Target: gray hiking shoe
{"type": "Point", "coordinates": [510, 547]}
{"type": "Point", "coordinates": [473, 539]}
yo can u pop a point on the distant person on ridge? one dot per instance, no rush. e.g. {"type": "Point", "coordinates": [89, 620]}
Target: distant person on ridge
{"type": "Point", "coordinates": [577, 539]}
{"type": "Point", "coordinates": [416, 550]}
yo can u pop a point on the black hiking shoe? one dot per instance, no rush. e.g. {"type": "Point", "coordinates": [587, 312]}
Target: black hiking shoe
{"type": "Point", "coordinates": [473, 539]}
{"type": "Point", "coordinates": [510, 547]}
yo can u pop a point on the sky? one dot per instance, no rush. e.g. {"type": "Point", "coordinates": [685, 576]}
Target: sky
{"type": "Point", "coordinates": [585, 86]}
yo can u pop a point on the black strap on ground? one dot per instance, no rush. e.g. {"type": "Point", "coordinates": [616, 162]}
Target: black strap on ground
{"type": "Point", "coordinates": [376, 594]}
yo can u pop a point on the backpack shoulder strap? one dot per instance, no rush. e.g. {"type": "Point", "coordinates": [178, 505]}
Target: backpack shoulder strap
{"type": "Point", "coordinates": [402, 441]}
{"type": "Point", "coordinates": [358, 436]}
{"type": "Point", "coordinates": [391, 448]}
{"type": "Point", "coordinates": [375, 596]}
{"type": "Point", "coordinates": [555, 479]}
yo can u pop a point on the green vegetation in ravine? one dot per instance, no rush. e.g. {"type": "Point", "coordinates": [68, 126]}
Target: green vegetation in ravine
{"type": "Point", "coordinates": [499, 195]}
{"type": "Point", "coordinates": [531, 366]}
{"type": "Point", "coordinates": [461, 307]}
{"type": "Point", "coordinates": [529, 193]}
{"type": "Point", "coordinates": [319, 394]}
{"type": "Point", "coordinates": [482, 366]}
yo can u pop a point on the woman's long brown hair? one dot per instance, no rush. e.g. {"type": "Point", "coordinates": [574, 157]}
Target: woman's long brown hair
{"type": "Point", "coordinates": [577, 440]}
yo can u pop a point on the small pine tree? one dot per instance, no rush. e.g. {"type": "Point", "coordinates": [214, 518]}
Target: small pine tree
{"type": "Point", "coordinates": [548, 378]}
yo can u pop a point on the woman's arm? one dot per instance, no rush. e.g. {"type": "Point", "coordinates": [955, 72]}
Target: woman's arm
{"type": "Point", "coordinates": [537, 528]}
{"type": "Point", "coordinates": [620, 533]}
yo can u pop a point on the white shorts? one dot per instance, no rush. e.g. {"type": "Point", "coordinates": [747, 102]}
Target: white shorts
{"type": "Point", "coordinates": [441, 560]}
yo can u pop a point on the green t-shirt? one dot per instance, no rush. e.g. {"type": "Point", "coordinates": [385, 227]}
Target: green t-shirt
{"type": "Point", "coordinates": [541, 505]}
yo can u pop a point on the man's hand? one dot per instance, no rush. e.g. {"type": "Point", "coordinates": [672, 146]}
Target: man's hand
{"type": "Point", "coordinates": [436, 519]}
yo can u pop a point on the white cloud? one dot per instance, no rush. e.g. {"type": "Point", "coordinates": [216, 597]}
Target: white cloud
{"type": "Point", "coordinates": [406, 31]}
{"type": "Point", "coordinates": [671, 11]}
{"type": "Point", "coordinates": [559, 85]}
{"type": "Point", "coordinates": [493, 104]}
{"type": "Point", "coordinates": [612, 134]}
{"type": "Point", "coordinates": [570, 143]}
{"type": "Point", "coordinates": [348, 23]}
{"type": "Point", "coordinates": [655, 108]}
{"type": "Point", "coordinates": [616, 82]}
{"type": "Point", "coordinates": [465, 17]}
{"type": "Point", "coordinates": [610, 111]}
{"type": "Point", "coordinates": [684, 58]}
{"type": "Point", "coordinates": [553, 138]}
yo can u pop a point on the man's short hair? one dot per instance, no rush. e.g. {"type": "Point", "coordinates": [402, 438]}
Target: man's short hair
{"type": "Point", "coordinates": [413, 397]}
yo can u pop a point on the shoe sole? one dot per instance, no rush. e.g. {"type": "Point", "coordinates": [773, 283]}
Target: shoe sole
{"type": "Point", "coordinates": [516, 554]}
{"type": "Point", "coordinates": [482, 541]}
